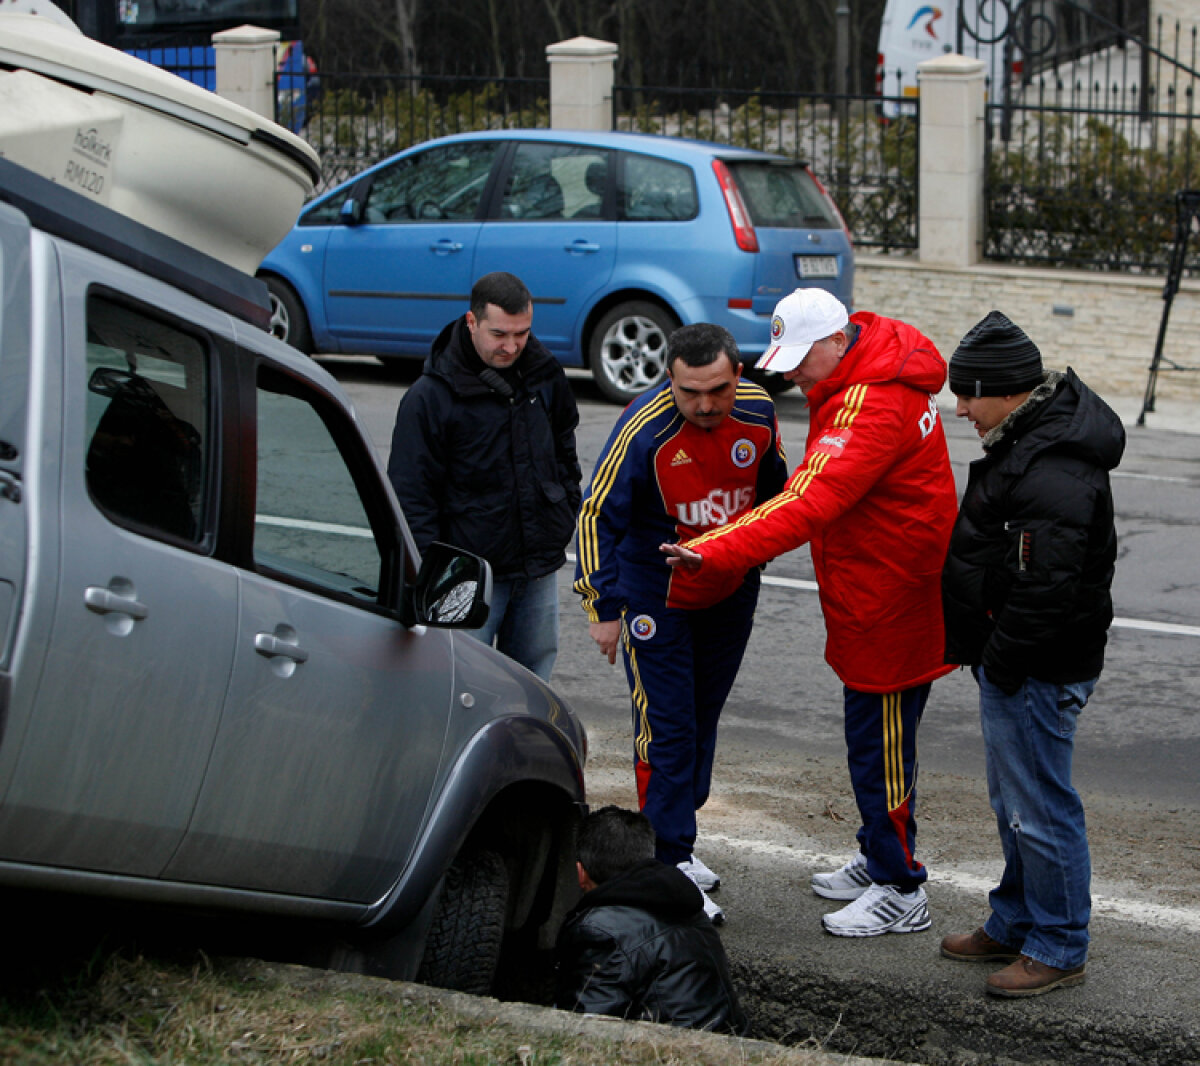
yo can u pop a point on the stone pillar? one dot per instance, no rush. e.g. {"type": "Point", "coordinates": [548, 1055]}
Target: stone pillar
{"type": "Point", "coordinates": [581, 83]}
{"type": "Point", "coordinates": [246, 67]}
{"type": "Point", "coordinates": [950, 226]}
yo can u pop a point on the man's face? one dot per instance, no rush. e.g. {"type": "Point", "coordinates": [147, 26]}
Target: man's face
{"type": "Point", "coordinates": [499, 337]}
{"type": "Point", "coordinates": [987, 412]}
{"type": "Point", "coordinates": [821, 361]}
{"type": "Point", "coordinates": [705, 394]}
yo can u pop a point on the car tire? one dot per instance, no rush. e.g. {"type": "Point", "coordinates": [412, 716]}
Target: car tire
{"type": "Point", "coordinates": [773, 383]}
{"type": "Point", "coordinates": [288, 321]}
{"type": "Point", "coordinates": [462, 949]}
{"type": "Point", "coordinates": [627, 352]}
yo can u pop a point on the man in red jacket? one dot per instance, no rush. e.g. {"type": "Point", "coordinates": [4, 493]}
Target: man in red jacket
{"type": "Point", "coordinates": [875, 498]}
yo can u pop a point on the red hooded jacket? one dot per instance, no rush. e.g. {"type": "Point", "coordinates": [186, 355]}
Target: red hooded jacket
{"type": "Point", "coordinates": [875, 496]}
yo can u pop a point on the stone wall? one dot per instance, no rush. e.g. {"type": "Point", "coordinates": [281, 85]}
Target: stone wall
{"type": "Point", "coordinates": [1103, 325]}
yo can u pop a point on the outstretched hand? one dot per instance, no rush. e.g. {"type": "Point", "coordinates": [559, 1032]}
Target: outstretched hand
{"type": "Point", "coordinates": [678, 555]}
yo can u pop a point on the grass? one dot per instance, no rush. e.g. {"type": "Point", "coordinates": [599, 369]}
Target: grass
{"type": "Point", "coordinates": [118, 1009]}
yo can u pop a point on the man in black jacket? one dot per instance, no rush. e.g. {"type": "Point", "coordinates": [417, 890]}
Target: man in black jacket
{"type": "Point", "coordinates": [638, 945]}
{"type": "Point", "coordinates": [483, 457]}
{"type": "Point", "coordinates": [1027, 603]}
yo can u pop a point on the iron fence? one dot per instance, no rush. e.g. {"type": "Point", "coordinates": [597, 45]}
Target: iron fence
{"type": "Point", "coordinates": [355, 120]}
{"type": "Point", "coordinates": [867, 161]}
{"type": "Point", "coordinates": [1089, 187]}
{"type": "Point", "coordinates": [1091, 131]}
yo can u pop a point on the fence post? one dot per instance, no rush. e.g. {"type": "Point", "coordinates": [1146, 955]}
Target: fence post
{"type": "Point", "coordinates": [246, 67]}
{"type": "Point", "coordinates": [951, 151]}
{"type": "Point", "coordinates": [581, 84]}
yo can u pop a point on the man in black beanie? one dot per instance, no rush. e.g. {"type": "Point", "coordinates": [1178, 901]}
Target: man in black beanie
{"type": "Point", "coordinates": [1027, 605]}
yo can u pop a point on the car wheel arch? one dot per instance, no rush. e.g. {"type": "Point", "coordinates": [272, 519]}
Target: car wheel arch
{"type": "Point", "coordinates": [526, 815]}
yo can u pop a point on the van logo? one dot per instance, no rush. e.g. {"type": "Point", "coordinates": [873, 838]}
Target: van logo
{"type": "Point", "coordinates": [934, 14]}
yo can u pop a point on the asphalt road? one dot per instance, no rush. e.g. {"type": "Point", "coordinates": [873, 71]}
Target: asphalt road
{"type": "Point", "coordinates": [782, 808]}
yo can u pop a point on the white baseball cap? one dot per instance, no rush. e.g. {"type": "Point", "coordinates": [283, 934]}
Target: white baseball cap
{"type": "Point", "coordinates": [801, 319]}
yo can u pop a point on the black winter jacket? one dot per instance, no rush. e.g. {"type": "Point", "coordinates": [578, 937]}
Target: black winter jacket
{"type": "Point", "coordinates": [488, 463]}
{"type": "Point", "coordinates": [1025, 588]}
{"type": "Point", "coordinates": [639, 946]}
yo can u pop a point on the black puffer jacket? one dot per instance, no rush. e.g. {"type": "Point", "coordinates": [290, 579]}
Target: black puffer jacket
{"type": "Point", "coordinates": [488, 463]}
{"type": "Point", "coordinates": [639, 946]}
{"type": "Point", "coordinates": [1026, 583]}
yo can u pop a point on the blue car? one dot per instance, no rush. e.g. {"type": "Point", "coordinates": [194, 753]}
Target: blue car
{"type": "Point", "coordinates": [620, 237]}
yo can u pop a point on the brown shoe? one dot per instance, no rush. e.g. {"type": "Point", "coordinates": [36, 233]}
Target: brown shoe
{"type": "Point", "coordinates": [1028, 977]}
{"type": "Point", "coordinates": [977, 947]}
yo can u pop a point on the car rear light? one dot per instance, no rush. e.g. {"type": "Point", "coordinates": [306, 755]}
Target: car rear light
{"type": "Point", "coordinates": [736, 304]}
{"type": "Point", "coordinates": [833, 205]}
{"type": "Point", "coordinates": [739, 217]}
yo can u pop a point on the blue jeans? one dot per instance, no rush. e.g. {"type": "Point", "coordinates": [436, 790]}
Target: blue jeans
{"type": "Point", "coordinates": [1043, 902]}
{"type": "Point", "coordinates": [523, 622]}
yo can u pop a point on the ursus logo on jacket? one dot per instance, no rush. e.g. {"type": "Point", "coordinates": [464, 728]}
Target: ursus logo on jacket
{"type": "Point", "coordinates": [715, 509]}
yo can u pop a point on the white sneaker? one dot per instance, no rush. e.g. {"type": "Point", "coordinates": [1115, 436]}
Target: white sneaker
{"type": "Point", "coordinates": [712, 910]}
{"type": "Point", "coordinates": [850, 882]}
{"type": "Point", "coordinates": [880, 909]}
{"type": "Point", "coordinates": [701, 876]}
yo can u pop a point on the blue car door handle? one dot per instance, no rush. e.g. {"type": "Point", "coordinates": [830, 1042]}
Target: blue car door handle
{"type": "Point", "coordinates": [271, 646]}
{"type": "Point", "coordinates": [106, 601]}
{"type": "Point", "coordinates": [445, 246]}
{"type": "Point", "coordinates": [579, 247]}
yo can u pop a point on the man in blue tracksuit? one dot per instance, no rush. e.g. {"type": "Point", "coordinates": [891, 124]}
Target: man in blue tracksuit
{"type": "Point", "coordinates": [682, 459]}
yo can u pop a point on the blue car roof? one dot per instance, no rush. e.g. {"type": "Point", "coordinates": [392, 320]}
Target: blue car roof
{"type": "Point", "coordinates": [681, 149]}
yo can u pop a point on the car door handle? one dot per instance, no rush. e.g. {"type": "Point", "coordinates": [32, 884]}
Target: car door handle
{"type": "Point", "coordinates": [445, 246]}
{"type": "Point", "coordinates": [106, 601]}
{"type": "Point", "coordinates": [272, 647]}
{"type": "Point", "coordinates": [576, 247]}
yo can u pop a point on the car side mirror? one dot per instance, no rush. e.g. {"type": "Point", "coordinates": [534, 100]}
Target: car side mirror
{"type": "Point", "coordinates": [453, 590]}
{"type": "Point", "coordinates": [351, 212]}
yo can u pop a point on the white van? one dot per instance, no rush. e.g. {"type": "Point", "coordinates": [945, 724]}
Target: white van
{"type": "Point", "coordinates": [913, 31]}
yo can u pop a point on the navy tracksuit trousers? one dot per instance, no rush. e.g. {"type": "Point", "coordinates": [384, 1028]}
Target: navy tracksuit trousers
{"type": "Point", "coordinates": [681, 666]}
{"type": "Point", "coordinates": [881, 749]}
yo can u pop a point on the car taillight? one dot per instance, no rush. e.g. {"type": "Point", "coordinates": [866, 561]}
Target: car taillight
{"type": "Point", "coordinates": [739, 217]}
{"type": "Point", "coordinates": [833, 205]}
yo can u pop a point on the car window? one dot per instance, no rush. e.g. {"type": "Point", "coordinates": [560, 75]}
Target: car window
{"type": "Point", "coordinates": [782, 195]}
{"type": "Point", "coordinates": [655, 190]}
{"type": "Point", "coordinates": [327, 211]}
{"type": "Point", "coordinates": [148, 449]}
{"type": "Point", "coordinates": [441, 183]}
{"type": "Point", "coordinates": [553, 181]}
{"type": "Point", "coordinates": [310, 525]}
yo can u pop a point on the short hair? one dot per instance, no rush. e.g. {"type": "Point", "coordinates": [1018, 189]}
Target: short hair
{"type": "Point", "coordinates": [506, 291]}
{"type": "Point", "coordinates": [701, 344]}
{"type": "Point", "coordinates": [613, 840]}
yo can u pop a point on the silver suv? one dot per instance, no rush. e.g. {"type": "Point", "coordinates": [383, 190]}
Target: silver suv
{"type": "Point", "coordinates": [226, 678]}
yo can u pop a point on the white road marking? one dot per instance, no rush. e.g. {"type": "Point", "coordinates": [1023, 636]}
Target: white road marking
{"type": "Point", "coordinates": [1153, 477]}
{"type": "Point", "coordinates": [314, 527]}
{"type": "Point", "coordinates": [1121, 910]}
{"type": "Point", "coordinates": [1169, 628]}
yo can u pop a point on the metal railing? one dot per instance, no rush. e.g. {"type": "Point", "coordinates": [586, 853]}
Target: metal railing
{"type": "Point", "coordinates": [1090, 187]}
{"type": "Point", "coordinates": [356, 120]}
{"type": "Point", "coordinates": [867, 160]}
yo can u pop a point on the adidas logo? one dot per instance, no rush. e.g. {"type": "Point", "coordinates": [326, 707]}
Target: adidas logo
{"type": "Point", "coordinates": [681, 458]}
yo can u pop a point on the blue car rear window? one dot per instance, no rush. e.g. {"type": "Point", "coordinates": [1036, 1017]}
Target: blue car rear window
{"type": "Point", "coordinates": [783, 196]}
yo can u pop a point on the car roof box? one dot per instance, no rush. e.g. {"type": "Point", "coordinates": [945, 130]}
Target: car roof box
{"type": "Point", "coordinates": [147, 143]}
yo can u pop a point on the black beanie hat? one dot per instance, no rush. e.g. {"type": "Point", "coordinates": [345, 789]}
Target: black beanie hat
{"type": "Point", "coordinates": [995, 358]}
